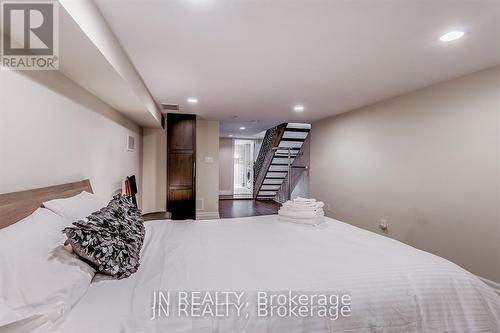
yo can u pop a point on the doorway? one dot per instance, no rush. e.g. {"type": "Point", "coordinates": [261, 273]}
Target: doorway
{"type": "Point", "coordinates": [243, 160]}
{"type": "Point", "coordinates": [181, 175]}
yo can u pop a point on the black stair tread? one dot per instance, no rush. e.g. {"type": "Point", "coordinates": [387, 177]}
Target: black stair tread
{"type": "Point", "coordinates": [291, 129]}
{"type": "Point", "coordinates": [293, 139]}
{"type": "Point", "coordinates": [279, 164]}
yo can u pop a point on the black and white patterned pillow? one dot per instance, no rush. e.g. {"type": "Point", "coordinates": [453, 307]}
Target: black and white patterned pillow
{"type": "Point", "coordinates": [111, 238]}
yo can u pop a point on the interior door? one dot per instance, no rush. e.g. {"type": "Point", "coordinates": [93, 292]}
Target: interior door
{"type": "Point", "coordinates": [181, 166]}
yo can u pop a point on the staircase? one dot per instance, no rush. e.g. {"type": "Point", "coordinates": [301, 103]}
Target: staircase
{"type": "Point", "coordinates": [271, 166]}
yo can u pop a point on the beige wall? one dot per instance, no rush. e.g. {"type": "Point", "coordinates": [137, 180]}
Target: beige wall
{"type": "Point", "coordinates": [226, 164]}
{"type": "Point", "coordinates": [52, 132]}
{"type": "Point", "coordinates": [427, 162]}
{"type": "Point", "coordinates": [207, 169]}
{"type": "Point", "coordinates": [154, 169]}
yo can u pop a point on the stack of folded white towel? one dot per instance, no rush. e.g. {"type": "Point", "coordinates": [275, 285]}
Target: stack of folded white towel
{"type": "Point", "coordinates": [302, 210]}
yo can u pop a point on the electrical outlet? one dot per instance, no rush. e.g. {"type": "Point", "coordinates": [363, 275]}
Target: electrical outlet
{"type": "Point", "coordinates": [384, 226]}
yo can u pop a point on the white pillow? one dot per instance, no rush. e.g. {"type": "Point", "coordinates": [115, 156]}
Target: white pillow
{"type": "Point", "coordinates": [77, 207]}
{"type": "Point", "coordinates": [40, 280]}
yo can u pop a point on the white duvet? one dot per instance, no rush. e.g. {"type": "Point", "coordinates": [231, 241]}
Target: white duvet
{"type": "Point", "coordinates": [393, 287]}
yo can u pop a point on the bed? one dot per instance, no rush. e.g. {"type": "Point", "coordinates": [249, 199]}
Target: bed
{"type": "Point", "coordinates": [391, 287]}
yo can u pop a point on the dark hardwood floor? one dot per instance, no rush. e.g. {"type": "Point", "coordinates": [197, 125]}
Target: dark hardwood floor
{"type": "Point", "coordinates": [235, 196]}
{"type": "Point", "coordinates": [232, 208]}
{"type": "Point", "coordinates": [244, 208]}
{"type": "Point", "coordinates": [157, 216]}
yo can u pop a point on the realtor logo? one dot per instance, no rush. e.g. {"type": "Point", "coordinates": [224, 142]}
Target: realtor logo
{"type": "Point", "coordinates": [30, 38]}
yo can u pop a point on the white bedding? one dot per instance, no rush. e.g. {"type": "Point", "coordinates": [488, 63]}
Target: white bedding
{"type": "Point", "coordinates": [394, 287]}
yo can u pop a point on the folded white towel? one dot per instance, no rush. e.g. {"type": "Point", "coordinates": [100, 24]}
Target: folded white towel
{"type": "Point", "coordinates": [298, 210]}
{"type": "Point", "coordinates": [300, 199]}
{"type": "Point", "coordinates": [302, 210]}
{"type": "Point", "coordinates": [306, 212]}
{"type": "Point", "coordinates": [301, 214]}
{"type": "Point", "coordinates": [303, 203]}
{"type": "Point", "coordinates": [308, 205]}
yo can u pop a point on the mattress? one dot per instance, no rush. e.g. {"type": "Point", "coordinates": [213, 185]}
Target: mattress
{"type": "Point", "coordinates": [392, 287]}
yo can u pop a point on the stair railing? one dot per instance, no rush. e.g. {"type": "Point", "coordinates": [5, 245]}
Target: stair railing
{"type": "Point", "coordinates": [266, 155]}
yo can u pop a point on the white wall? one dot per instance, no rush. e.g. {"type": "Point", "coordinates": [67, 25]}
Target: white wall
{"type": "Point", "coordinates": [154, 170]}
{"type": "Point", "coordinates": [207, 168]}
{"type": "Point", "coordinates": [52, 132]}
{"type": "Point", "coordinates": [427, 162]}
{"type": "Point", "coordinates": [90, 20]}
{"type": "Point", "coordinates": [226, 164]}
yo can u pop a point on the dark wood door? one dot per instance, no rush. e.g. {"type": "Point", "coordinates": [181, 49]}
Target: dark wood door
{"type": "Point", "coordinates": [181, 166]}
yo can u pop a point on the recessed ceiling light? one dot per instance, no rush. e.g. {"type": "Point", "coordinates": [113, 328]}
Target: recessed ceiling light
{"type": "Point", "coordinates": [243, 128]}
{"type": "Point", "coordinates": [451, 36]}
{"type": "Point", "coordinates": [298, 108]}
{"type": "Point", "coordinates": [192, 100]}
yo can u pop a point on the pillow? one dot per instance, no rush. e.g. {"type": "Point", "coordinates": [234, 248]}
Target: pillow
{"type": "Point", "coordinates": [110, 239]}
{"type": "Point", "coordinates": [76, 207]}
{"type": "Point", "coordinates": [40, 279]}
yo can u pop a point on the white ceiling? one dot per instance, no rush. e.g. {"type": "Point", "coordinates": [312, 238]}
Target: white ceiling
{"type": "Point", "coordinates": [253, 128]}
{"type": "Point", "coordinates": [82, 62]}
{"type": "Point", "coordinates": [256, 59]}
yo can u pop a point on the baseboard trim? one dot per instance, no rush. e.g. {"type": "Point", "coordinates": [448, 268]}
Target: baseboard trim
{"type": "Point", "coordinates": [207, 215]}
{"type": "Point", "coordinates": [494, 285]}
{"type": "Point", "coordinates": [226, 192]}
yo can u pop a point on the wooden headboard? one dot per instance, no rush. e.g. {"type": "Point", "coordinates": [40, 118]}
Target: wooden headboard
{"type": "Point", "coordinates": [17, 205]}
